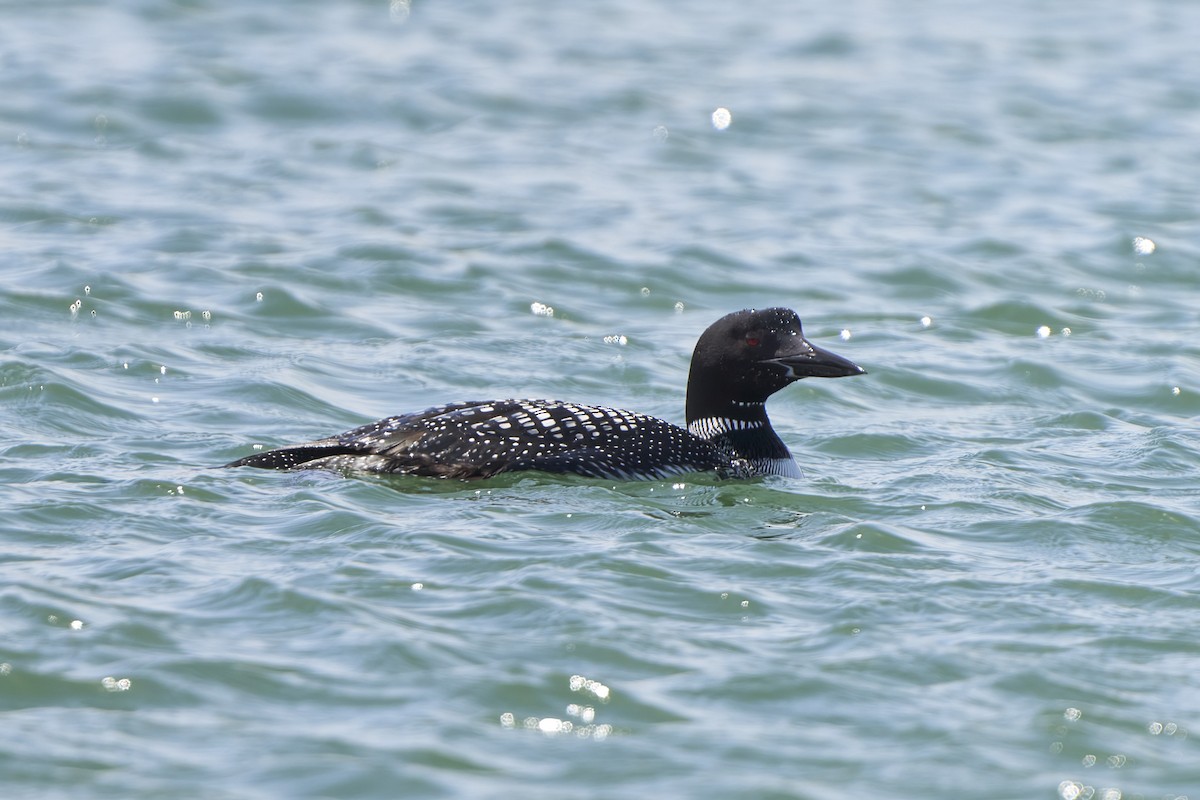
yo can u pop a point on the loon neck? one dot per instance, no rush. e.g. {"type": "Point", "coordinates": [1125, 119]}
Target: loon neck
{"type": "Point", "coordinates": [743, 430]}
{"type": "Point", "coordinates": [729, 415]}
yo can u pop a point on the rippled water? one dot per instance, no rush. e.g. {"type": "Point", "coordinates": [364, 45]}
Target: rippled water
{"type": "Point", "coordinates": [258, 224]}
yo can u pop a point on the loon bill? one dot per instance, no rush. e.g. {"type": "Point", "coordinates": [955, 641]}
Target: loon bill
{"type": "Point", "coordinates": [739, 361]}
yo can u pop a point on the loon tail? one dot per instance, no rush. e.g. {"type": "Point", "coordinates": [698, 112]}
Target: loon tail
{"type": "Point", "coordinates": [292, 457]}
{"type": "Point", "coordinates": [337, 455]}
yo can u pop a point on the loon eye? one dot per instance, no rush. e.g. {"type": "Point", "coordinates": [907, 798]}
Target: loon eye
{"type": "Point", "coordinates": [752, 340]}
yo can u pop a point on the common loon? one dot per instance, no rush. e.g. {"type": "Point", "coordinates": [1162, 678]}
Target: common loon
{"type": "Point", "coordinates": [739, 361]}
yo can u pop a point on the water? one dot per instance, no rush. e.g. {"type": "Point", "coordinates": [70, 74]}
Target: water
{"type": "Point", "coordinates": [222, 227]}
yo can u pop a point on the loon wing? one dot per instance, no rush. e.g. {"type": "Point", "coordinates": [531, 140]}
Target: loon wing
{"type": "Point", "coordinates": [481, 439]}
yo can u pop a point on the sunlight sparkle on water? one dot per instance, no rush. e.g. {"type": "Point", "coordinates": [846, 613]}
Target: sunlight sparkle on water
{"type": "Point", "coordinates": [1070, 790]}
{"type": "Point", "coordinates": [578, 683]}
{"type": "Point", "coordinates": [1168, 728]}
{"type": "Point", "coordinates": [1143, 246]}
{"type": "Point", "coordinates": [552, 725]}
{"type": "Point", "coordinates": [541, 309]}
{"type": "Point", "coordinates": [721, 119]}
{"type": "Point", "coordinates": [585, 713]}
{"type": "Point", "coordinates": [399, 10]}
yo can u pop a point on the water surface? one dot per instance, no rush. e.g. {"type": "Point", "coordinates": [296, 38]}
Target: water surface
{"type": "Point", "coordinates": [255, 225]}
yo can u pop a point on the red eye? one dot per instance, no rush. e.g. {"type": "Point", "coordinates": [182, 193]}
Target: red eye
{"type": "Point", "coordinates": [752, 341]}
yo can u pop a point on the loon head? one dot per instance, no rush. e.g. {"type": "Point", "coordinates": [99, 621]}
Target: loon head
{"type": "Point", "coordinates": [745, 357]}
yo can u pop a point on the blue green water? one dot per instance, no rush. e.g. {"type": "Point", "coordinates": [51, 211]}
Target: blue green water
{"type": "Point", "coordinates": [229, 225]}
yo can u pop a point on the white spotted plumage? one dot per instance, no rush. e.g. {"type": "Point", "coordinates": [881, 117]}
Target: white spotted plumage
{"type": "Point", "coordinates": [481, 439]}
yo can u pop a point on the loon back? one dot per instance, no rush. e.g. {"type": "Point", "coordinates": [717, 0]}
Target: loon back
{"type": "Point", "coordinates": [739, 361]}
{"type": "Point", "coordinates": [481, 439]}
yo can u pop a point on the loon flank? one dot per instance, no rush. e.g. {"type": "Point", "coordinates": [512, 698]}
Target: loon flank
{"type": "Point", "coordinates": [741, 360]}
